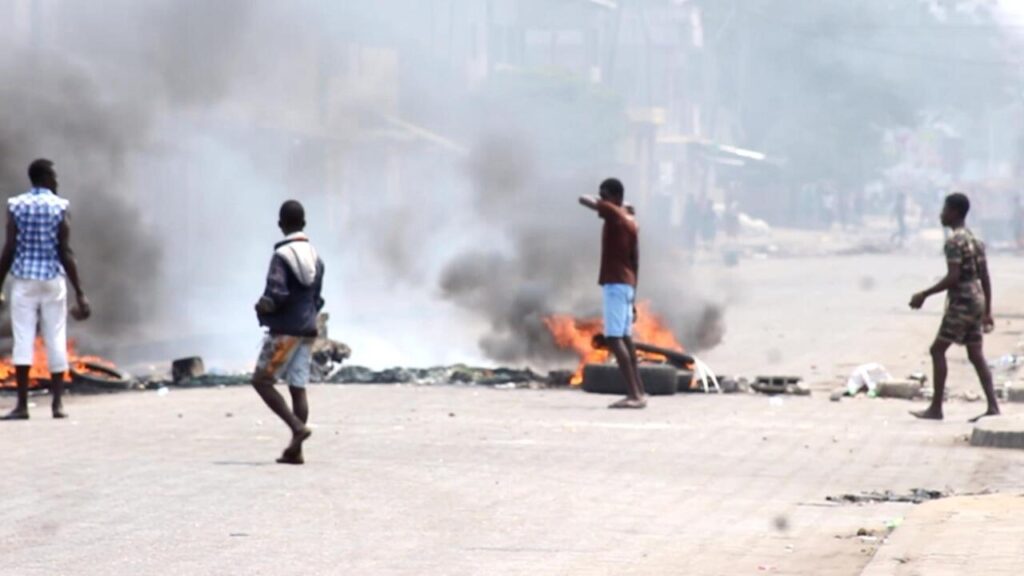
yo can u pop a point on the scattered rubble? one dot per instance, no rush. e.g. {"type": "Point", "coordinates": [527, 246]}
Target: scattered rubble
{"type": "Point", "coordinates": [876, 382]}
{"type": "Point", "coordinates": [775, 385]}
{"type": "Point", "coordinates": [442, 375]}
{"type": "Point", "coordinates": [204, 381]}
{"type": "Point", "coordinates": [1007, 364]}
{"type": "Point", "coordinates": [458, 374]}
{"type": "Point", "coordinates": [915, 496]}
{"type": "Point", "coordinates": [731, 385]}
{"type": "Point", "coordinates": [187, 369]}
{"type": "Point", "coordinates": [902, 389]}
{"type": "Point", "coordinates": [1012, 393]}
{"type": "Point", "coordinates": [869, 536]}
{"type": "Point", "coordinates": [865, 378]}
{"type": "Point", "coordinates": [328, 354]}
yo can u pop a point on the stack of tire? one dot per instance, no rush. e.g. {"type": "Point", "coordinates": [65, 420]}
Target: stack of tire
{"type": "Point", "coordinates": [658, 379]}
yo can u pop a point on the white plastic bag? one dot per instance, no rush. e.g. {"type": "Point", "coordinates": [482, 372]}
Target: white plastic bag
{"type": "Point", "coordinates": [867, 376]}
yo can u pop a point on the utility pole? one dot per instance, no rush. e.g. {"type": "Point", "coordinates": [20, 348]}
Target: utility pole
{"type": "Point", "coordinates": [608, 74]}
{"type": "Point", "coordinates": [742, 63]}
{"type": "Point", "coordinates": [35, 22]}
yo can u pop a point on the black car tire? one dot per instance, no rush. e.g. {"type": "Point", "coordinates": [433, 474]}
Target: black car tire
{"type": "Point", "coordinates": [607, 379]}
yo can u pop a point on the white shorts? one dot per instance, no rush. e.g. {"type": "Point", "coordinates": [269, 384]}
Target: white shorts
{"type": "Point", "coordinates": [40, 306]}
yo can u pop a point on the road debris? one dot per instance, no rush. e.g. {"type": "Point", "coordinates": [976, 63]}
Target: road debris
{"type": "Point", "coordinates": [914, 496]}
{"type": "Point", "coordinates": [187, 368]}
{"type": "Point", "coordinates": [865, 378]}
{"type": "Point", "coordinates": [775, 385]}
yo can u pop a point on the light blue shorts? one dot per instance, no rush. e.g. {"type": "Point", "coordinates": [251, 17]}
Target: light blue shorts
{"type": "Point", "coordinates": [618, 310]}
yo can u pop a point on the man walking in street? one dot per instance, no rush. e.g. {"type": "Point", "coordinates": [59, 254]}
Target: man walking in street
{"type": "Point", "coordinates": [620, 267]}
{"type": "Point", "coordinates": [288, 309]}
{"type": "Point", "coordinates": [968, 306]}
{"type": "Point", "coordinates": [38, 254]}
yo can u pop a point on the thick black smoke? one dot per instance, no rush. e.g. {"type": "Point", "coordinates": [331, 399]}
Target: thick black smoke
{"type": "Point", "coordinates": [180, 125]}
{"type": "Point", "coordinates": [86, 92]}
{"type": "Point", "coordinates": [49, 108]}
{"type": "Point", "coordinates": [555, 142]}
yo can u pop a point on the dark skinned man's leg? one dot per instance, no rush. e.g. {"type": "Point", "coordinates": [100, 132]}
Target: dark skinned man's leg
{"type": "Point", "coordinates": [976, 355]}
{"type": "Point", "coordinates": [939, 371]}
{"type": "Point", "coordinates": [20, 411]}
{"type": "Point", "coordinates": [631, 346]}
{"type": "Point", "coordinates": [272, 398]}
{"type": "Point", "coordinates": [635, 394]}
{"type": "Point", "coordinates": [300, 407]}
{"type": "Point", "coordinates": [57, 391]}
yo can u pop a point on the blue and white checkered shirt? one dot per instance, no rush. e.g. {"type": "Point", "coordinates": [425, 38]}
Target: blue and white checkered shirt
{"type": "Point", "coordinates": [38, 214]}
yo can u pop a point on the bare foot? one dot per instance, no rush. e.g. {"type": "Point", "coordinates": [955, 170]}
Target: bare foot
{"type": "Point", "coordinates": [291, 458]}
{"type": "Point", "coordinates": [990, 412]}
{"type": "Point", "coordinates": [630, 403]}
{"type": "Point", "coordinates": [16, 414]}
{"type": "Point", "coordinates": [59, 413]}
{"type": "Point", "coordinates": [300, 436]}
{"type": "Point", "coordinates": [928, 414]}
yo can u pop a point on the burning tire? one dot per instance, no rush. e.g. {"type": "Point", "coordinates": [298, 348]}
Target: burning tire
{"type": "Point", "coordinates": [99, 376]}
{"type": "Point", "coordinates": [606, 379]}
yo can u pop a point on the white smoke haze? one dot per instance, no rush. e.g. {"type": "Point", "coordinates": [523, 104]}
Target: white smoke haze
{"type": "Point", "coordinates": [441, 186]}
{"type": "Point", "coordinates": [448, 223]}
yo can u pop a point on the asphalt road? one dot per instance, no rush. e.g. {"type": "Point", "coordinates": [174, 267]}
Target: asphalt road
{"type": "Point", "coordinates": [464, 481]}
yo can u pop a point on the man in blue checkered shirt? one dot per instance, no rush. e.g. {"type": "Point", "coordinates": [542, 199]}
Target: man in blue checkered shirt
{"type": "Point", "coordinates": [38, 255]}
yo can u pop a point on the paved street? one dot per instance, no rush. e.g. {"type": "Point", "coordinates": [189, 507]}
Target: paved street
{"type": "Point", "coordinates": [821, 317]}
{"type": "Point", "coordinates": [469, 481]}
{"type": "Point", "coordinates": [463, 481]}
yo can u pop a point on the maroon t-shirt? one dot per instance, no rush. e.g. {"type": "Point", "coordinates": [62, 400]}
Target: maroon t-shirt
{"type": "Point", "coordinates": [620, 251]}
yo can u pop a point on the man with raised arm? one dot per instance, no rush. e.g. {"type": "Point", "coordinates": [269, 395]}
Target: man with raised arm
{"type": "Point", "coordinates": [620, 267]}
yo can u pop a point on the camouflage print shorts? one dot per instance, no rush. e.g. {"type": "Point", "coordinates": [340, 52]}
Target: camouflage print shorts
{"type": "Point", "coordinates": [964, 318]}
{"type": "Point", "coordinates": [285, 358]}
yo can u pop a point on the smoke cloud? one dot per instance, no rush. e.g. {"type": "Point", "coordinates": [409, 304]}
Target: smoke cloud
{"type": "Point", "coordinates": [91, 96]}
{"type": "Point", "coordinates": [440, 205]}
{"type": "Point", "coordinates": [50, 108]}
{"type": "Point", "coordinates": [555, 141]}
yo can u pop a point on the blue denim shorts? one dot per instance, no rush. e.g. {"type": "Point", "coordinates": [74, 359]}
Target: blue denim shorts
{"type": "Point", "coordinates": [618, 310]}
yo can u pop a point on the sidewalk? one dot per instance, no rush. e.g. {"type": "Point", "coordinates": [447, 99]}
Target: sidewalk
{"type": "Point", "coordinates": [965, 536]}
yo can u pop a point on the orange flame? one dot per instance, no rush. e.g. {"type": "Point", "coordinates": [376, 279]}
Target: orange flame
{"type": "Point", "coordinates": [40, 370]}
{"type": "Point", "coordinates": [577, 334]}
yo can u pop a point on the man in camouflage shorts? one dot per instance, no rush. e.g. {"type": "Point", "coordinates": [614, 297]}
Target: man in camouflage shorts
{"type": "Point", "coordinates": [968, 306]}
{"type": "Point", "coordinates": [288, 309]}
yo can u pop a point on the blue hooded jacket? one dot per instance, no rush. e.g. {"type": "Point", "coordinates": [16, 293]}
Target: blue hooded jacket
{"type": "Point", "coordinates": [294, 284]}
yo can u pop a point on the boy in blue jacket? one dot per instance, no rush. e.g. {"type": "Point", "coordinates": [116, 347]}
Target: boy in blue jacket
{"type": "Point", "coordinates": [288, 309]}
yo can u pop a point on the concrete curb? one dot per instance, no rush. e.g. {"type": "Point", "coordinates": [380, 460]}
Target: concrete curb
{"type": "Point", "coordinates": [962, 536]}
{"type": "Point", "coordinates": [999, 432]}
